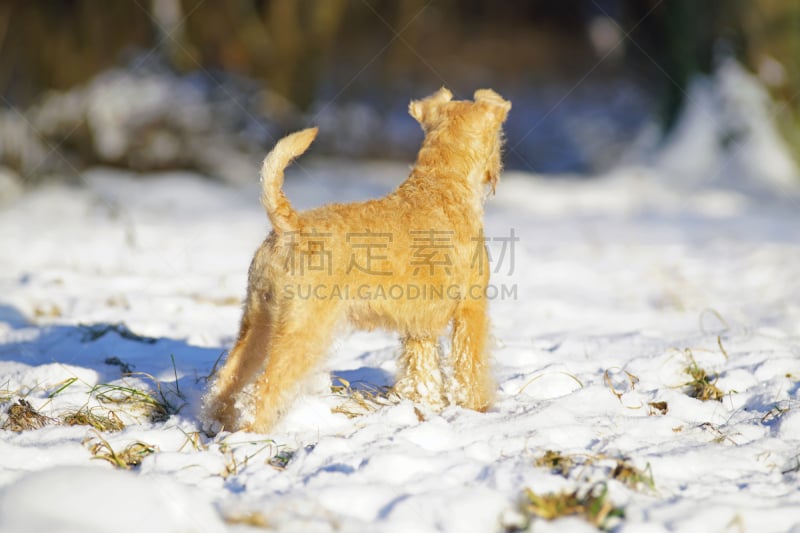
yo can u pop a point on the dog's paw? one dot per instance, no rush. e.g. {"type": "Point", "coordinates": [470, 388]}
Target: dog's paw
{"type": "Point", "coordinates": [216, 416]}
{"type": "Point", "coordinates": [477, 398]}
{"type": "Point", "coordinates": [424, 392]}
{"type": "Point", "coordinates": [211, 427]}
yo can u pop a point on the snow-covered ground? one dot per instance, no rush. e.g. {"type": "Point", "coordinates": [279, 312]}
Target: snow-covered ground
{"type": "Point", "coordinates": [616, 283]}
{"type": "Point", "coordinates": [119, 295]}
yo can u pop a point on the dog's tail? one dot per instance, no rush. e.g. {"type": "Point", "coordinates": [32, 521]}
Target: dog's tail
{"type": "Point", "coordinates": [279, 210]}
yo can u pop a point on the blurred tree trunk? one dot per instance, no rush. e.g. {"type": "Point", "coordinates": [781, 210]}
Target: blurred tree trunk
{"type": "Point", "coordinates": [282, 42]}
{"type": "Point", "coordinates": [763, 34]}
{"type": "Point", "coordinates": [169, 19]}
{"type": "Point", "coordinates": [57, 45]}
{"type": "Point", "coordinates": [689, 33]}
{"type": "Point", "coordinates": [402, 55]}
{"type": "Point", "coordinates": [301, 34]}
{"type": "Point", "coordinates": [771, 33]}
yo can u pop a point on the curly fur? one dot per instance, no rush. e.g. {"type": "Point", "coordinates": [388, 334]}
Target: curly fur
{"type": "Point", "coordinates": [283, 337]}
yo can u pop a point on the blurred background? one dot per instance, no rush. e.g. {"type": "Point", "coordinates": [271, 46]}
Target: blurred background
{"type": "Point", "coordinates": [209, 85]}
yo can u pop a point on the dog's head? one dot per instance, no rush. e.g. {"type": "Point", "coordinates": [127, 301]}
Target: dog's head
{"type": "Point", "coordinates": [479, 124]}
{"type": "Point", "coordinates": [494, 106]}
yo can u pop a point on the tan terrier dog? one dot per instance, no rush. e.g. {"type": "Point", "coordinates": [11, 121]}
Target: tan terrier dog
{"type": "Point", "coordinates": [412, 262]}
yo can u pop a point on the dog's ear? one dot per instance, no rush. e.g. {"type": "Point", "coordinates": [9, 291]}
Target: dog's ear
{"type": "Point", "coordinates": [441, 96]}
{"type": "Point", "coordinates": [494, 166]}
{"type": "Point", "coordinates": [422, 110]}
{"type": "Point", "coordinates": [417, 110]}
{"type": "Point", "coordinates": [496, 106]}
{"type": "Point", "coordinates": [488, 95]}
{"type": "Point", "coordinates": [493, 102]}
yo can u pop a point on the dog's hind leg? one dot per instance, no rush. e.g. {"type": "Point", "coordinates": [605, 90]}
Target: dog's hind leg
{"type": "Point", "coordinates": [295, 351]}
{"type": "Point", "coordinates": [420, 372]}
{"type": "Point", "coordinates": [244, 360]}
{"type": "Point", "coordinates": [473, 386]}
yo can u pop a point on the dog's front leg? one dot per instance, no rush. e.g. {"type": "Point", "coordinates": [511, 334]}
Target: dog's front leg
{"type": "Point", "coordinates": [298, 343]}
{"type": "Point", "coordinates": [473, 386]}
{"type": "Point", "coordinates": [420, 377]}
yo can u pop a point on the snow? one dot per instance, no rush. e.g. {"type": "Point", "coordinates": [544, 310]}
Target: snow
{"type": "Point", "coordinates": [618, 282]}
{"type": "Point", "coordinates": [46, 501]}
{"type": "Point", "coordinates": [727, 133]}
{"type": "Point", "coordinates": [619, 274]}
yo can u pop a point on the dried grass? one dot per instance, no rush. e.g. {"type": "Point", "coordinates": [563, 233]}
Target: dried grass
{"type": "Point", "coordinates": [634, 478]}
{"type": "Point", "coordinates": [136, 401]}
{"type": "Point", "coordinates": [657, 408]}
{"type": "Point", "coordinates": [591, 504]}
{"type": "Point", "coordinates": [254, 519]}
{"type": "Point", "coordinates": [130, 456]}
{"type": "Point", "coordinates": [557, 462]}
{"type": "Point", "coordinates": [617, 468]}
{"type": "Point", "coordinates": [23, 417]}
{"type": "Point", "coordinates": [233, 465]}
{"type": "Point", "coordinates": [632, 381]}
{"type": "Point", "coordinates": [281, 459]}
{"type": "Point", "coordinates": [86, 417]}
{"type": "Point", "coordinates": [365, 399]}
{"type": "Point", "coordinates": [702, 385]}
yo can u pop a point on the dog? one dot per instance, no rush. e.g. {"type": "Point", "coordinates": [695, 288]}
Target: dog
{"type": "Point", "coordinates": [413, 262]}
